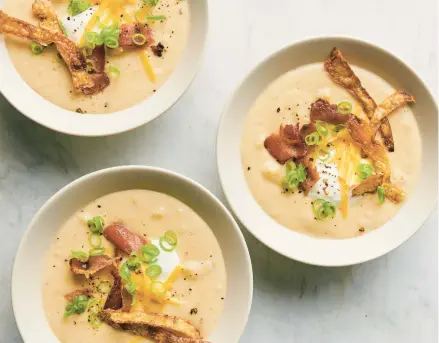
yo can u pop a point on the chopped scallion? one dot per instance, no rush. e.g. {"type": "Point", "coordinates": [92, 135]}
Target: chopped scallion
{"type": "Point", "coordinates": [77, 7]}
{"type": "Point", "coordinates": [381, 194]}
{"type": "Point", "coordinates": [294, 175]}
{"type": "Point", "coordinates": [37, 49]}
{"type": "Point", "coordinates": [96, 224]}
{"type": "Point", "coordinates": [95, 240]}
{"type": "Point", "coordinates": [153, 271]}
{"type": "Point", "coordinates": [322, 128]}
{"type": "Point", "coordinates": [171, 237]}
{"type": "Point", "coordinates": [164, 244]}
{"type": "Point", "coordinates": [344, 107]}
{"type": "Point", "coordinates": [312, 138]}
{"type": "Point", "coordinates": [138, 39]}
{"type": "Point", "coordinates": [80, 255]}
{"type": "Point", "coordinates": [323, 209]}
{"type": "Point", "coordinates": [156, 17]}
{"type": "Point", "coordinates": [364, 170]}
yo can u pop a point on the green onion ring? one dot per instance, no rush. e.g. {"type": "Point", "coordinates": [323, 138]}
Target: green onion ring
{"type": "Point", "coordinates": [104, 287]}
{"type": "Point", "coordinates": [324, 155]}
{"type": "Point", "coordinates": [124, 272]}
{"type": "Point", "coordinates": [153, 271]}
{"type": "Point", "coordinates": [138, 39]}
{"type": "Point", "coordinates": [171, 237]}
{"type": "Point", "coordinates": [312, 138]}
{"type": "Point", "coordinates": [96, 224]}
{"type": "Point", "coordinates": [95, 240]}
{"type": "Point", "coordinates": [151, 249]}
{"type": "Point", "coordinates": [156, 17]}
{"type": "Point", "coordinates": [164, 244]}
{"type": "Point", "coordinates": [321, 128]}
{"type": "Point", "coordinates": [97, 251]}
{"type": "Point", "coordinates": [111, 42]}
{"type": "Point", "coordinates": [90, 37]}
{"type": "Point", "coordinates": [344, 107]}
{"type": "Point", "coordinates": [80, 255]}
{"type": "Point", "coordinates": [37, 49]}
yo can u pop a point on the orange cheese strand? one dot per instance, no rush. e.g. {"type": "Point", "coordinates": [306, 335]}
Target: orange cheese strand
{"type": "Point", "coordinates": [147, 66]}
{"type": "Point", "coordinates": [344, 188]}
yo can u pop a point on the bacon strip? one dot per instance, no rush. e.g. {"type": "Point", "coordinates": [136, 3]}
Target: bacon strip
{"type": "Point", "coordinates": [123, 238]}
{"type": "Point", "coordinates": [397, 99]}
{"type": "Point", "coordinates": [74, 59]}
{"type": "Point", "coordinates": [93, 265]}
{"type": "Point", "coordinates": [128, 30]}
{"type": "Point", "coordinates": [322, 110]}
{"type": "Point", "coordinates": [340, 71]}
{"type": "Point", "coordinates": [286, 144]}
{"type": "Point", "coordinates": [312, 176]}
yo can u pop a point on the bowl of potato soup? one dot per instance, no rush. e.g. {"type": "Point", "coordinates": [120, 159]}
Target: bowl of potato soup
{"type": "Point", "coordinates": [98, 67]}
{"type": "Point", "coordinates": [131, 255]}
{"type": "Point", "coordinates": [327, 151]}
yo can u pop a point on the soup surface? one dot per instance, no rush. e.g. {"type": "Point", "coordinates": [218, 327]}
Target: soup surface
{"type": "Point", "coordinates": [50, 78]}
{"type": "Point", "coordinates": [150, 214]}
{"type": "Point", "coordinates": [287, 101]}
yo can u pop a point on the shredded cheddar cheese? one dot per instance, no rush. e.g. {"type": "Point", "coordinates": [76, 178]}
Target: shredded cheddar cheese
{"type": "Point", "coordinates": [147, 65]}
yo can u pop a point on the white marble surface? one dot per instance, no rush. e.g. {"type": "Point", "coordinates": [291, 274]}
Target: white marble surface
{"type": "Point", "coordinates": [393, 299]}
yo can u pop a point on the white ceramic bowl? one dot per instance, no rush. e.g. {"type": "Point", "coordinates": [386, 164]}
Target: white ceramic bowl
{"type": "Point", "coordinates": [42, 111]}
{"type": "Point", "coordinates": [28, 265]}
{"type": "Point", "coordinates": [304, 248]}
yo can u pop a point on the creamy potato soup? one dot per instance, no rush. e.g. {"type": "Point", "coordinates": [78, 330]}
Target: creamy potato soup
{"type": "Point", "coordinates": [131, 47]}
{"type": "Point", "coordinates": [163, 254]}
{"type": "Point", "coordinates": [313, 185]}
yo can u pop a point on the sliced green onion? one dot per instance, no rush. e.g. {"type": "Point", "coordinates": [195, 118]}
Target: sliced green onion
{"type": "Point", "coordinates": [338, 128]}
{"type": "Point", "coordinates": [96, 224]}
{"type": "Point", "coordinates": [294, 175]}
{"type": "Point", "coordinates": [164, 244]}
{"type": "Point", "coordinates": [90, 37]}
{"type": "Point", "coordinates": [312, 138]}
{"type": "Point", "coordinates": [153, 271]}
{"type": "Point", "coordinates": [381, 194]}
{"type": "Point", "coordinates": [97, 251]}
{"type": "Point", "coordinates": [113, 69]}
{"type": "Point", "coordinates": [99, 40]}
{"type": "Point", "coordinates": [322, 128]}
{"type": "Point", "coordinates": [94, 320]}
{"type": "Point", "coordinates": [157, 287]}
{"type": "Point", "coordinates": [171, 237]}
{"type": "Point", "coordinates": [344, 107]}
{"type": "Point", "coordinates": [133, 263]}
{"type": "Point", "coordinates": [111, 42]}
{"type": "Point", "coordinates": [130, 286]}
{"type": "Point", "coordinates": [148, 258]}
{"type": "Point", "coordinates": [364, 170]}
{"type": "Point", "coordinates": [323, 155]}
{"type": "Point", "coordinates": [323, 209]}
{"type": "Point", "coordinates": [63, 28]}
{"type": "Point", "coordinates": [59, 58]}
{"type": "Point", "coordinates": [78, 305]}
{"type": "Point", "coordinates": [95, 240]}
{"type": "Point", "coordinates": [37, 49]}
{"type": "Point", "coordinates": [80, 255]}
{"type": "Point", "coordinates": [104, 287]}
{"type": "Point", "coordinates": [151, 250]}
{"type": "Point", "coordinates": [94, 306]}
{"type": "Point", "coordinates": [138, 39]}
{"type": "Point", "coordinates": [151, 2]}
{"type": "Point", "coordinates": [124, 272]}
{"type": "Point", "coordinates": [156, 17]}
{"type": "Point", "coordinates": [77, 7]}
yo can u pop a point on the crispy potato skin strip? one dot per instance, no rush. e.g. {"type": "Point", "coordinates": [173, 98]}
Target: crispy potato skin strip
{"type": "Point", "coordinates": [393, 193]}
{"type": "Point", "coordinates": [397, 99]}
{"type": "Point", "coordinates": [93, 265]}
{"type": "Point", "coordinates": [74, 59]}
{"type": "Point", "coordinates": [46, 15]}
{"type": "Point", "coordinates": [172, 324]}
{"type": "Point", "coordinates": [369, 185]}
{"type": "Point", "coordinates": [338, 67]}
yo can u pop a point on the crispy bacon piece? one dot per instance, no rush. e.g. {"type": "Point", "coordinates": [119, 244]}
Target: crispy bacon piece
{"type": "Point", "coordinates": [397, 99]}
{"type": "Point", "coordinates": [312, 176]}
{"type": "Point", "coordinates": [93, 265]}
{"type": "Point", "coordinates": [369, 185]}
{"type": "Point", "coordinates": [159, 327]}
{"type": "Point", "coordinates": [123, 238]}
{"type": "Point", "coordinates": [83, 291]}
{"type": "Point", "coordinates": [158, 49]}
{"type": "Point", "coordinates": [74, 59]}
{"type": "Point", "coordinates": [340, 71]}
{"type": "Point", "coordinates": [115, 297]}
{"type": "Point", "coordinates": [322, 110]}
{"type": "Point", "coordinates": [97, 58]}
{"type": "Point", "coordinates": [286, 144]}
{"type": "Point", "coordinates": [128, 30]}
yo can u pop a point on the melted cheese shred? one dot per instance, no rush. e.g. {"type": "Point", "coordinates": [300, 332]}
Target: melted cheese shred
{"type": "Point", "coordinates": [147, 65]}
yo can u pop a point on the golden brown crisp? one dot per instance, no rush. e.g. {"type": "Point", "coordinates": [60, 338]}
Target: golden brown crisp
{"type": "Point", "coordinates": [369, 185]}
{"type": "Point", "coordinates": [340, 71]}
